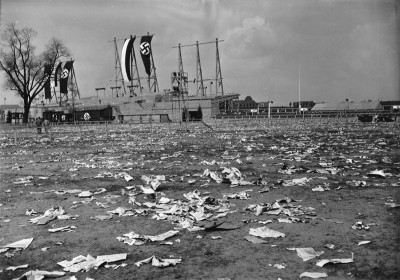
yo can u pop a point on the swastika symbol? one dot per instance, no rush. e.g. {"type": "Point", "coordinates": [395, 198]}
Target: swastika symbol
{"type": "Point", "coordinates": [64, 74]}
{"type": "Point", "coordinates": [145, 48]}
{"type": "Point", "coordinates": [86, 116]}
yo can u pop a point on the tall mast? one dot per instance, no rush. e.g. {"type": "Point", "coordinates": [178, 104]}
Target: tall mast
{"type": "Point", "coordinates": [153, 75]}
{"type": "Point", "coordinates": [218, 73]}
{"type": "Point", "coordinates": [199, 73]}
{"type": "Point", "coordinates": [398, 43]}
{"type": "Point", "coordinates": [134, 70]}
{"type": "Point", "coordinates": [118, 73]}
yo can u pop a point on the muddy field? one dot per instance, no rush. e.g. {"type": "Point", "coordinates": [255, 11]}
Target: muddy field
{"type": "Point", "coordinates": [236, 200]}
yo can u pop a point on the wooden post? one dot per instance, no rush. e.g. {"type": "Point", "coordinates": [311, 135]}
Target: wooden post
{"type": "Point", "coordinates": [51, 136]}
{"type": "Point", "coordinates": [151, 124]}
{"type": "Point", "coordinates": [15, 137]}
{"type": "Point", "coordinates": [106, 131]}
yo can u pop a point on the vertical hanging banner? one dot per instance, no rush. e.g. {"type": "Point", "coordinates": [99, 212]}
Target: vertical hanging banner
{"type": "Point", "coordinates": [126, 57]}
{"type": "Point", "coordinates": [57, 73]}
{"type": "Point", "coordinates": [66, 71]}
{"type": "Point", "coordinates": [145, 51]}
{"type": "Point", "coordinates": [47, 73]}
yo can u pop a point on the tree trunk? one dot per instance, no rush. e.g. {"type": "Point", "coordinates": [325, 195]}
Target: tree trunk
{"type": "Point", "coordinates": [27, 106]}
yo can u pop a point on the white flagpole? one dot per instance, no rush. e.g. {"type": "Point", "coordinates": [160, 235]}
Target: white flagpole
{"type": "Point", "coordinates": [299, 91]}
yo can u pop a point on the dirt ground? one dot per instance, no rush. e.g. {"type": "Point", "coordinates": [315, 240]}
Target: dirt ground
{"type": "Point", "coordinates": [336, 157]}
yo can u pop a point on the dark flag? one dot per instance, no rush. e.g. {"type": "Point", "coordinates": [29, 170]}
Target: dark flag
{"type": "Point", "coordinates": [126, 56]}
{"type": "Point", "coordinates": [145, 51]}
{"type": "Point", "coordinates": [47, 73]}
{"type": "Point", "coordinates": [56, 73]}
{"type": "Point", "coordinates": [66, 71]}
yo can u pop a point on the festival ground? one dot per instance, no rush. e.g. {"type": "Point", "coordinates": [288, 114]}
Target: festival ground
{"type": "Point", "coordinates": [327, 186]}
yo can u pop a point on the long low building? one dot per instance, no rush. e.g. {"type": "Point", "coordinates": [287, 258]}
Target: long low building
{"type": "Point", "coordinates": [150, 107]}
{"type": "Point", "coordinates": [348, 106]}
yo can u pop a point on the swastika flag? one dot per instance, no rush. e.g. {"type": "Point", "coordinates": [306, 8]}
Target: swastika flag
{"type": "Point", "coordinates": [64, 76]}
{"type": "Point", "coordinates": [145, 52]}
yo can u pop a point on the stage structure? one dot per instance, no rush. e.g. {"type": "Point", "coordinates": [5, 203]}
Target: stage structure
{"type": "Point", "coordinates": [200, 88]}
{"type": "Point", "coordinates": [126, 68]}
{"type": "Point", "coordinates": [179, 85]}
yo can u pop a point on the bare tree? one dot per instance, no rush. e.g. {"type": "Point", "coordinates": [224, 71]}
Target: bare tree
{"type": "Point", "coordinates": [23, 68]}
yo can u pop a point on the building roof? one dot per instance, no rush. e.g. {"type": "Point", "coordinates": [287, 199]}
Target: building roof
{"type": "Point", "coordinates": [342, 106]}
{"type": "Point", "coordinates": [390, 103]}
{"type": "Point", "coordinates": [9, 106]}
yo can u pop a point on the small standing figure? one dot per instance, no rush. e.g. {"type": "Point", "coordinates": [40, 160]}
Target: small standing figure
{"type": "Point", "coordinates": [39, 125]}
{"type": "Point", "coordinates": [46, 125]}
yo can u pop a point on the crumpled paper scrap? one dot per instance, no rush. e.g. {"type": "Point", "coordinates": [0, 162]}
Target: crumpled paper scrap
{"type": "Point", "coordinates": [40, 274]}
{"type": "Point", "coordinates": [265, 232]}
{"type": "Point", "coordinates": [314, 275]}
{"type": "Point", "coordinates": [158, 262]}
{"type": "Point", "coordinates": [323, 262]}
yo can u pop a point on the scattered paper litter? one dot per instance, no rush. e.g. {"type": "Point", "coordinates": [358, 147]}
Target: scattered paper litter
{"type": "Point", "coordinates": [112, 258]}
{"type": "Point", "coordinates": [24, 243]}
{"type": "Point", "coordinates": [255, 240]}
{"type": "Point", "coordinates": [360, 225]}
{"type": "Point", "coordinates": [377, 174]}
{"type": "Point", "coordinates": [164, 200]}
{"type": "Point", "coordinates": [102, 217]}
{"type": "Point", "coordinates": [296, 182]}
{"type": "Point", "coordinates": [280, 265]}
{"type": "Point", "coordinates": [85, 194]}
{"type": "Point", "coordinates": [17, 267]}
{"type": "Point", "coordinates": [308, 253]}
{"type": "Point", "coordinates": [330, 246]}
{"type": "Point", "coordinates": [40, 274]}
{"type": "Point", "coordinates": [122, 211]}
{"type": "Point", "coordinates": [363, 242]}
{"type": "Point", "coordinates": [162, 236]}
{"type": "Point", "coordinates": [30, 212]}
{"type": "Point", "coordinates": [153, 181]}
{"type": "Point", "coordinates": [66, 228]}
{"type": "Point", "coordinates": [216, 237]}
{"type": "Point", "coordinates": [321, 263]}
{"type": "Point", "coordinates": [2, 250]}
{"type": "Point", "coordinates": [265, 232]}
{"type": "Point", "coordinates": [392, 205]}
{"type": "Point", "coordinates": [128, 177]}
{"type": "Point", "coordinates": [146, 190]}
{"type": "Point", "coordinates": [48, 216]}
{"type": "Point", "coordinates": [87, 263]}
{"type": "Point", "coordinates": [67, 217]}
{"type": "Point", "coordinates": [114, 266]}
{"type": "Point", "coordinates": [158, 262]}
{"type": "Point", "coordinates": [314, 275]}
{"type": "Point", "coordinates": [133, 238]}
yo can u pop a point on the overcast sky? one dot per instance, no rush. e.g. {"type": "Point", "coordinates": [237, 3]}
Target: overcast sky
{"type": "Point", "coordinates": [345, 48]}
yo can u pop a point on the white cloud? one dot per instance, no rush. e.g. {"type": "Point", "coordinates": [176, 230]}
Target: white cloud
{"type": "Point", "coordinates": [250, 39]}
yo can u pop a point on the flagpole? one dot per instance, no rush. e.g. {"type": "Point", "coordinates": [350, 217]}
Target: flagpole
{"type": "Point", "coordinates": [299, 91]}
